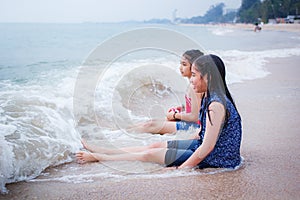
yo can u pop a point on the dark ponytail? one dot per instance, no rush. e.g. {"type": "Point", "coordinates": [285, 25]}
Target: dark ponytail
{"type": "Point", "coordinates": [214, 68]}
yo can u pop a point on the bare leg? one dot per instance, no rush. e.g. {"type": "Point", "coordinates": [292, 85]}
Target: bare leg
{"type": "Point", "coordinates": [94, 148]}
{"type": "Point", "coordinates": [155, 126]}
{"type": "Point", "coordinates": [136, 149]}
{"type": "Point", "coordinates": [156, 155]}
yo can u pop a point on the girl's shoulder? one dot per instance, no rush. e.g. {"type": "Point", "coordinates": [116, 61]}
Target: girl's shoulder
{"type": "Point", "coordinates": [213, 97]}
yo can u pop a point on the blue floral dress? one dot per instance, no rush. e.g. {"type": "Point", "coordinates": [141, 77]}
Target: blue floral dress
{"type": "Point", "coordinates": [226, 153]}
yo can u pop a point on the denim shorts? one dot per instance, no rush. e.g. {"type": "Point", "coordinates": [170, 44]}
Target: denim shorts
{"type": "Point", "coordinates": [179, 151]}
{"type": "Point", "coordinates": [184, 125]}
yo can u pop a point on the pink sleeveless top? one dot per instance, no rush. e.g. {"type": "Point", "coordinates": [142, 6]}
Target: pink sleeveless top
{"type": "Point", "coordinates": [188, 104]}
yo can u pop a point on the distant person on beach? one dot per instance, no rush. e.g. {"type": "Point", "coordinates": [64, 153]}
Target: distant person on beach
{"type": "Point", "coordinates": [217, 144]}
{"type": "Point", "coordinates": [257, 27]}
{"type": "Point", "coordinates": [180, 117]}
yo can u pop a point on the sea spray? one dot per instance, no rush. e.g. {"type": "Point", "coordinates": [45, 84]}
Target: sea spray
{"type": "Point", "coordinates": [37, 130]}
{"type": "Point", "coordinates": [249, 65]}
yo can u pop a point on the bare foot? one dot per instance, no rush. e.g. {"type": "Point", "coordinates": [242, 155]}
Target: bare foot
{"type": "Point", "coordinates": [84, 157]}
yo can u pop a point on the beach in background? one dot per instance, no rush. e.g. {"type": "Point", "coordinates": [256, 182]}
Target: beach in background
{"type": "Point", "coordinates": [263, 80]}
{"type": "Point", "coordinates": [250, 27]}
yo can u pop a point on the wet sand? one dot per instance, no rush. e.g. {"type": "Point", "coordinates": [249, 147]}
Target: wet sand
{"type": "Point", "coordinates": [270, 112]}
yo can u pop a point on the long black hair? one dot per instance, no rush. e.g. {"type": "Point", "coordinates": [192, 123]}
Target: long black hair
{"type": "Point", "coordinates": [214, 68]}
{"type": "Point", "coordinates": [192, 55]}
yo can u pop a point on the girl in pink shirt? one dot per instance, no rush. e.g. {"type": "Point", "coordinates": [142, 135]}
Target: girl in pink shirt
{"type": "Point", "coordinates": [182, 117]}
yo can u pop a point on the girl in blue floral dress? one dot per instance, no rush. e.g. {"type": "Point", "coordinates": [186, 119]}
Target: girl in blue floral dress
{"type": "Point", "coordinates": [217, 144]}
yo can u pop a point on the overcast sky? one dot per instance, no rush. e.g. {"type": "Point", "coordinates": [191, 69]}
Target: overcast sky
{"type": "Point", "coordinates": [102, 11]}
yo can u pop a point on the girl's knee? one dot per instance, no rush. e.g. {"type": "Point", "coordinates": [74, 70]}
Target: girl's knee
{"type": "Point", "coordinates": [149, 155]}
{"type": "Point", "coordinates": [157, 145]}
{"type": "Point", "coordinates": [154, 155]}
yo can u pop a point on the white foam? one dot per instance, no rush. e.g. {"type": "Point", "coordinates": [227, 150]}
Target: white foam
{"type": "Point", "coordinates": [249, 65]}
{"type": "Point", "coordinates": [6, 155]}
{"type": "Point", "coordinates": [220, 31]}
{"type": "Point", "coordinates": [123, 79]}
{"type": "Point", "coordinates": [105, 171]}
{"type": "Point", "coordinates": [37, 129]}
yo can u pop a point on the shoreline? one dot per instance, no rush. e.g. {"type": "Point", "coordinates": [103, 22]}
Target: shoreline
{"type": "Point", "coordinates": [242, 26]}
{"type": "Point", "coordinates": [269, 108]}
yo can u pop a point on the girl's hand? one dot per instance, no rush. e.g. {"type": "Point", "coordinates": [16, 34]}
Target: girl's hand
{"type": "Point", "coordinates": [180, 109]}
{"type": "Point", "coordinates": [177, 109]}
{"type": "Point", "coordinates": [170, 168]}
{"type": "Point", "coordinates": [170, 116]}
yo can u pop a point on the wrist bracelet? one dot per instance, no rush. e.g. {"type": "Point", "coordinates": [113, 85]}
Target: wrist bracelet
{"type": "Point", "coordinates": [174, 117]}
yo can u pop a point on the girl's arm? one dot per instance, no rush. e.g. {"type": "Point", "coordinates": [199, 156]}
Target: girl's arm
{"type": "Point", "coordinates": [217, 116]}
{"type": "Point", "coordinates": [195, 136]}
{"type": "Point", "coordinates": [195, 107]}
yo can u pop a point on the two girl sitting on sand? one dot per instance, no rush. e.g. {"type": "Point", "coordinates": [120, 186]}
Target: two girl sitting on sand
{"type": "Point", "coordinates": [217, 144]}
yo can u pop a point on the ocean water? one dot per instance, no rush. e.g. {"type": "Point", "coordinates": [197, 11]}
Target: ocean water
{"type": "Point", "coordinates": [56, 87]}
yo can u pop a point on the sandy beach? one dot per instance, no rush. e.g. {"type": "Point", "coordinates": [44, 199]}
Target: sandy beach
{"type": "Point", "coordinates": [250, 27]}
{"type": "Point", "coordinates": [269, 108]}
{"type": "Point", "coordinates": [270, 27]}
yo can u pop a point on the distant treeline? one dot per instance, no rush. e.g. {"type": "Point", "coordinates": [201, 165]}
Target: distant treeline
{"type": "Point", "coordinates": [251, 11]}
{"type": "Point", "coordinates": [213, 15]}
